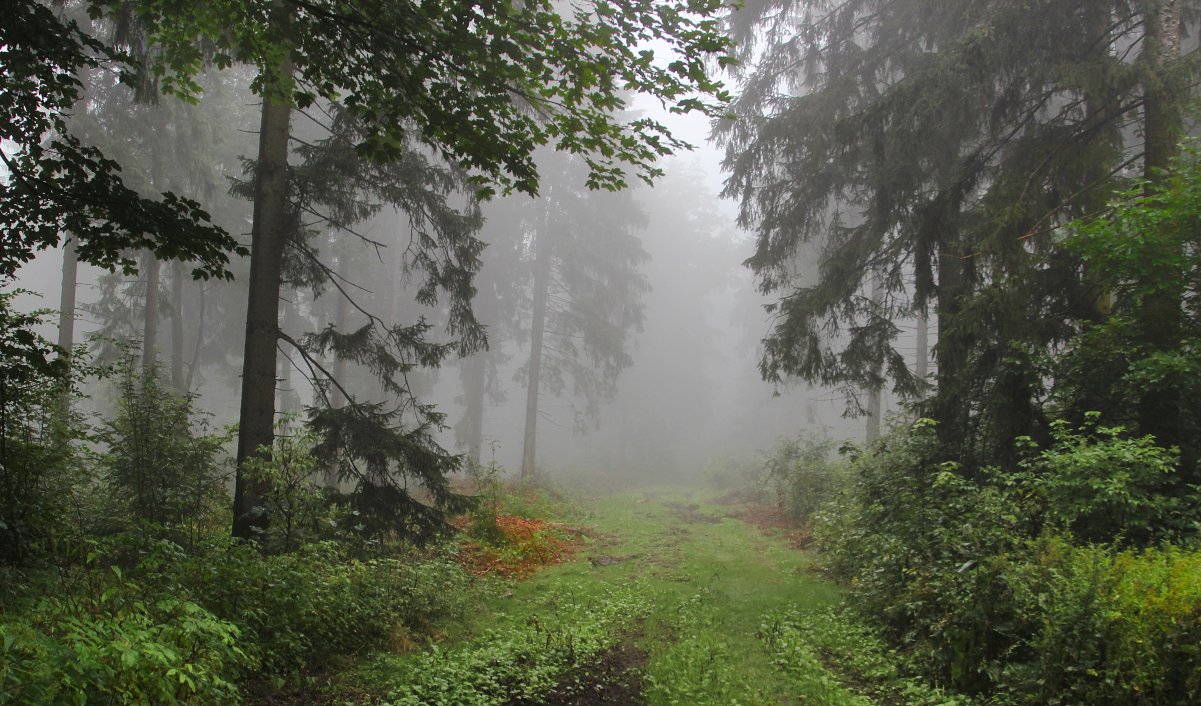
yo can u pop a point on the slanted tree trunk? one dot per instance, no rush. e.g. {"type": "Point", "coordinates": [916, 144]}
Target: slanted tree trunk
{"type": "Point", "coordinates": [150, 314]}
{"type": "Point", "coordinates": [177, 376]}
{"type": "Point", "coordinates": [542, 263]}
{"type": "Point", "coordinates": [256, 431]}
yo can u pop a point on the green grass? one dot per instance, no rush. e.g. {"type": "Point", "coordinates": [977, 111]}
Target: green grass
{"type": "Point", "coordinates": [711, 600]}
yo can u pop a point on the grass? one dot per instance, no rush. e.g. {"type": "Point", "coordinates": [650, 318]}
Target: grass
{"type": "Point", "coordinates": [714, 604]}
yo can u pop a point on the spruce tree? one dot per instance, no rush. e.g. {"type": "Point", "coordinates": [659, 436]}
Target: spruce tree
{"type": "Point", "coordinates": [941, 145]}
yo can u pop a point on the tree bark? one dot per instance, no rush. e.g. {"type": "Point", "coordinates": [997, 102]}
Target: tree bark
{"type": "Point", "coordinates": [474, 376]}
{"type": "Point", "coordinates": [337, 399]}
{"type": "Point", "coordinates": [950, 403]}
{"type": "Point", "coordinates": [1161, 318]}
{"type": "Point", "coordinates": [66, 298]}
{"type": "Point", "coordinates": [150, 314]}
{"type": "Point", "coordinates": [874, 402]}
{"type": "Point", "coordinates": [256, 432]}
{"type": "Point", "coordinates": [542, 258]}
{"type": "Point", "coordinates": [66, 315]}
{"type": "Point", "coordinates": [921, 355]}
{"type": "Point", "coordinates": [177, 377]}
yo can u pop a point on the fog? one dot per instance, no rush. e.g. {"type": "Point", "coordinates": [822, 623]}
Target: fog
{"type": "Point", "coordinates": [652, 328]}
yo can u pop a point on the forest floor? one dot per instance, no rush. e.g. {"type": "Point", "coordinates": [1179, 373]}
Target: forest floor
{"type": "Point", "coordinates": [670, 598]}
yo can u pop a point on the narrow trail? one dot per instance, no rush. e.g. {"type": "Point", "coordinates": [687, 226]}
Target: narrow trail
{"type": "Point", "coordinates": [671, 600]}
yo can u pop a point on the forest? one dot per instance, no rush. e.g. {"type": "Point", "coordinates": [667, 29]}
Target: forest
{"type": "Point", "coordinates": [838, 352]}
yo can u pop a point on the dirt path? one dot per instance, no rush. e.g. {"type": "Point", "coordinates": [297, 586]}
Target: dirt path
{"type": "Point", "coordinates": [672, 600]}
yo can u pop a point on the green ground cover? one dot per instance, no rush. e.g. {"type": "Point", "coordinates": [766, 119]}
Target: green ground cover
{"type": "Point", "coordinates": [714, 610]}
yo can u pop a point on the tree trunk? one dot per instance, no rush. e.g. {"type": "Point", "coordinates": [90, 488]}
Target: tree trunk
{"type": "Point", "coordinates": [921, 355]}
{"type": "Point", "coordinates": [288, 401]}
{"type": "Point", "coordinates": [874, 402]}
{"type": "Point", "coordinates": [474, 376]}
{"type": "Point", "coordinates": [256, 431]}
{"type": "Point", "coordinates": [337, 400]}
{"type": "Point", "coordinates": [951, 397]}
{"type": "Point", "coordinates": [1161, 318]}
{"type": "Point", "coordinates": [177, 377]}
{"type": "Point", "coordinates": [66, 314]}
{"type": "Point", "coordinates": [150, 315]}
{"type": "Point", "coordinates": [538, 328]}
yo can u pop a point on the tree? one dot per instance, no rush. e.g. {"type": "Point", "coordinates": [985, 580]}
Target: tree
{"type": "Point", "coordinates": [483, 85]}
{"type": "Point", "coordinates": [584, 297]}
{"type": "Point", "coordinates": [941, 146]}
{"type": "Point", "coordinates": [55, 184]}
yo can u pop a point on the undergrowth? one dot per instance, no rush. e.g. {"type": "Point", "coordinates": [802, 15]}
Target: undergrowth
{"type": "Point", "coordinates": [518, 664]}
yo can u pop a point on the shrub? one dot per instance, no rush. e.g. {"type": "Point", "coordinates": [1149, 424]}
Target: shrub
{"type": "Point", "coordinates": [295, 609]}
{"type": "Point", "coordinates": [118, 647]}
{"type": "Point", "coordinates": [39, 485]}
{"type": "Point", "coordinates": [1101, 485]}
{"type": "Point", "coordinates": [1107, 627]}
{"type": "Point", "coordinates": [802, 474]}
{"type": "Point", "coordinates": [973, 573]}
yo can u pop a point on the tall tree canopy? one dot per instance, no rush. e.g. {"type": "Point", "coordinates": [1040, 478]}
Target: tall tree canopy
{"type": "Point", "coordinates": [481, 84]}
{"type": "Point", "coordinates": [938, 144]}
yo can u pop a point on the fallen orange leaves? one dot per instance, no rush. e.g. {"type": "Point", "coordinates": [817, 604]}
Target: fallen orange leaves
{"type": "Point", "coordinates": [522, 547]}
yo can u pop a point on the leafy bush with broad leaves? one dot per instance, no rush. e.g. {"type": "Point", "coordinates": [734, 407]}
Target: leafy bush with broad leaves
{"type": "Point", "coordinates": [802, 474]}
{"type": "Point", "coordinates": [119, 643]}
{"type": "Point", "coordinates": [1100, 485]}
{"type": "Point", "coordinates": [295, 609]}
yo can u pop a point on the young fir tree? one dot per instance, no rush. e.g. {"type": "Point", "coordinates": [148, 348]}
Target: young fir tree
{"type": "Point", "coordinates": [938, 145]}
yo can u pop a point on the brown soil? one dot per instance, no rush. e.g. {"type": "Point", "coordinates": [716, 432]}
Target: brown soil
{"type": "Point", "coordinates": [691, 513]}
{"type": "Point", "coordinates": [769, 520]}
{"type": "Point", "coordinates": [613, 679]}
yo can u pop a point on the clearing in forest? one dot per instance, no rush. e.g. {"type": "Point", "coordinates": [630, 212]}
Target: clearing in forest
{"type": "Point", "coordinates": [671, 599]}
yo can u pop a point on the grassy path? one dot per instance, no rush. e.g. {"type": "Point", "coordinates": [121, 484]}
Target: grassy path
{"type": "Point", "coordinates": [672, 601]}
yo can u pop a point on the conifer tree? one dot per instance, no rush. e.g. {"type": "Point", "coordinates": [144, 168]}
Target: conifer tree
{"type": "Point", "coordinates": [585, 295]}
{"type": "Point", "coordinates": [484, 86]}
{"type": "Point", "coordinates": [940, 143]}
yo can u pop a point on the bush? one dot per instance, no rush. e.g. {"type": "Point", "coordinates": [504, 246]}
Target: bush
{"type": "Point", "coordinates": [981, 578]}
{"type": "Point", "coordinates": [802, 474]}
{"type": "Point", "coordinates": [39, 485]}
{"type": "Point", "coordinates": [296, 609]}
{"type": "Point", "coordinates": [1107, 627]}
{"type": "Point", "coordinates": [117, 647]}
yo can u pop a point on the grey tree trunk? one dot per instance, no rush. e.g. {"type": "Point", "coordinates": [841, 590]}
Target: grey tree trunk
{"type": "Point", "coordinates": [256, 431]}
{"type": "Point", "coordinates": [150, 314]}
{"type": "Point", "coordinates": [874, 405]}
{"type": "Point", "coordinates": [921, 355]}
{"type": "Point", "coordinates": [66, 298]}
{"type": "Point", "coordinates": [66, 315]}
{"type": "Point", "coordinates": [542, 259]}
{"type": "Point", "coordinates": [177, 377]}
{"type": "Point", "coordinates": [474, 376]}
{"type": "Point", "coordinates": [337, 400]}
